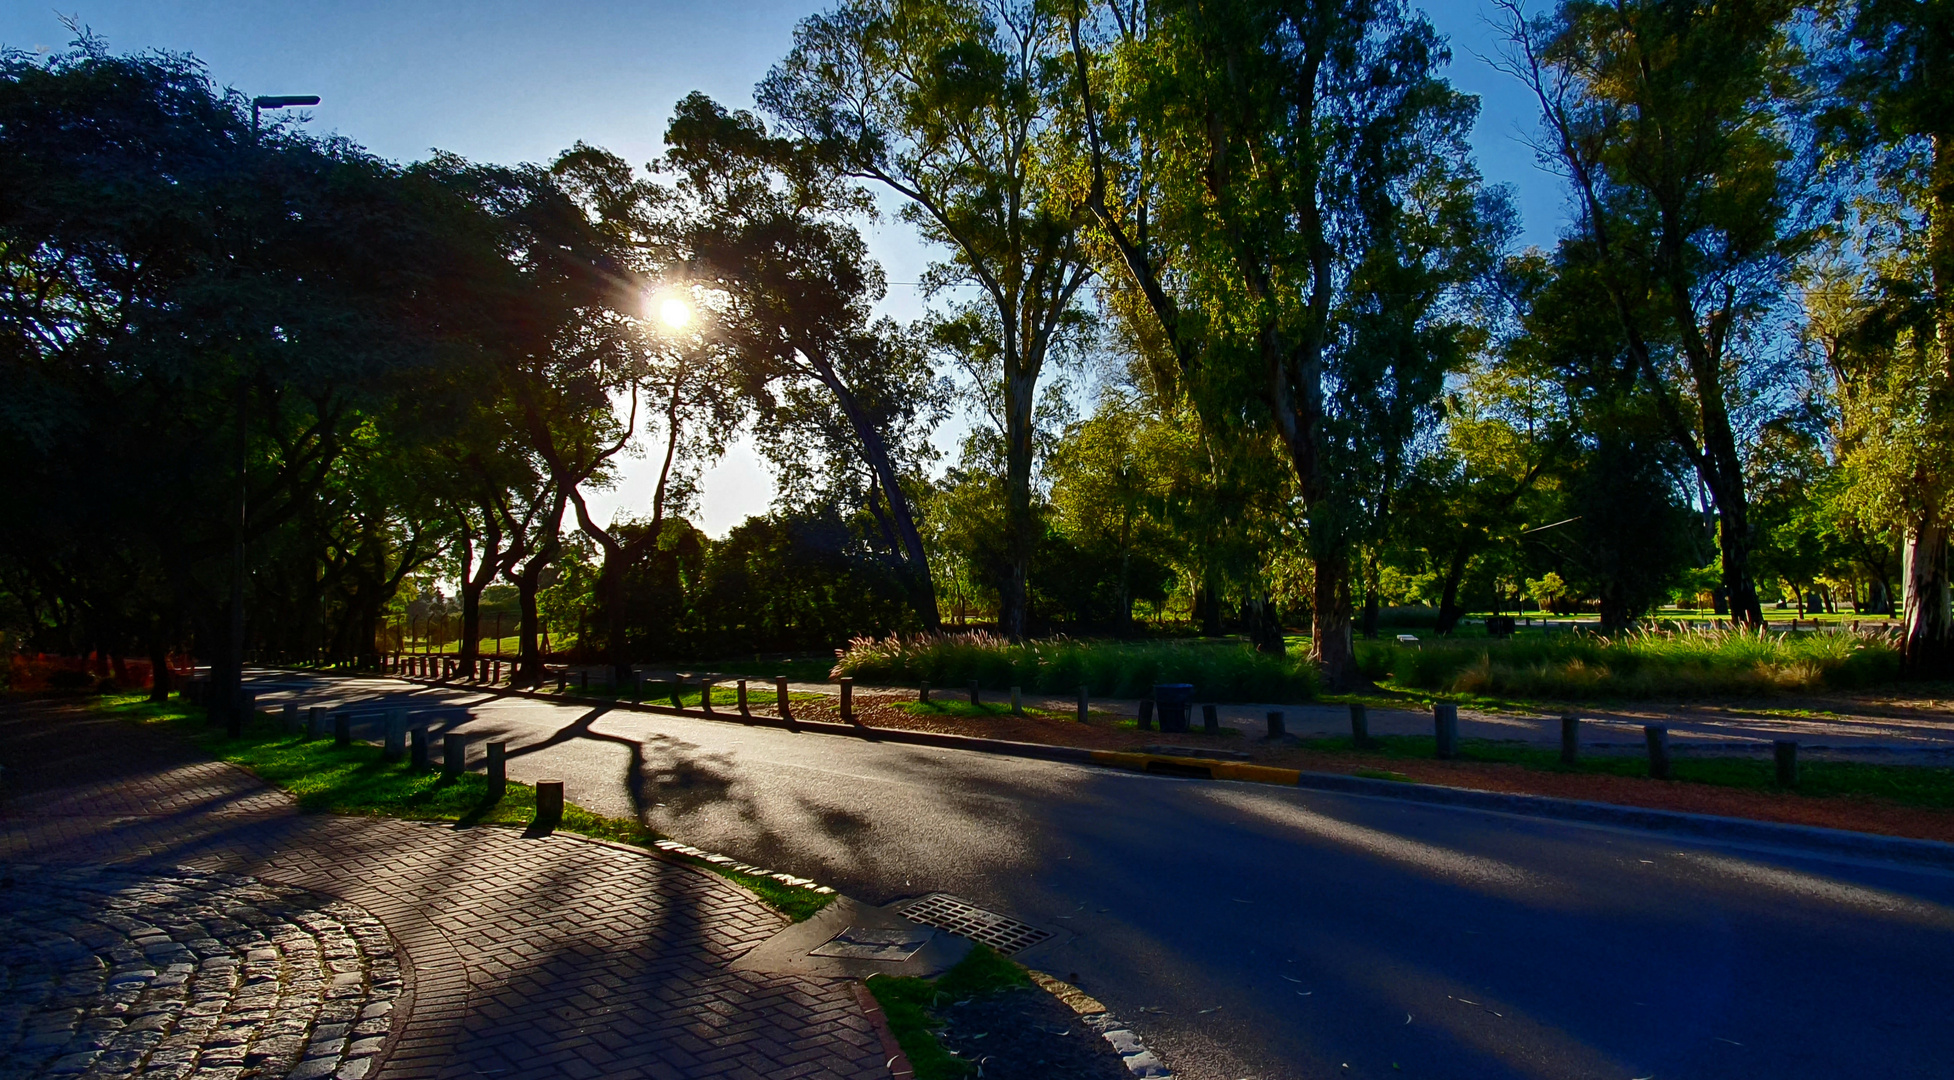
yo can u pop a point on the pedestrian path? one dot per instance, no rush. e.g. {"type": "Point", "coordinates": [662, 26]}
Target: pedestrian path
{"type": "Point", "coordinates": [198, 896]}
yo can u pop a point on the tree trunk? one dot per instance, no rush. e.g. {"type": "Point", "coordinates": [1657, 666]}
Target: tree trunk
{"type": "Point", "coordinates": [1014, 593]}
{"type": "Point", "coordinates": [1448, 601]}
{"type": "Point", "coordinates": [1330, 647]}
{"type": "Point", "coordinates": [875, 451]}
{"type": "Point", "coordinates": [159, 669]}
{"type": "Point", "coordinates": [547, 542]}
{"type": "Point", "coordinates": [1927, 624]}
{"type": "Point", "coordinates": [610, 594]}
{"type": "Point", "coordinates": [476, 574]}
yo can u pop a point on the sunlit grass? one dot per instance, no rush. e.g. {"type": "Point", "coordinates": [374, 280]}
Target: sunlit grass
{"type": "Point", "coordinates": [327, 778]}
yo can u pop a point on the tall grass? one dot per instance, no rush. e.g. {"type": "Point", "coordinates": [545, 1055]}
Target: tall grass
{"type": "Point", "coordinates": [1721, 662]}
{"type": "Point", "coordinates": [1220, 671]}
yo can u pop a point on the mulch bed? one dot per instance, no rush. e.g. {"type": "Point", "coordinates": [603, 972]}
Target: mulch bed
{"type": "Point", "coordinates": [1850, 813]}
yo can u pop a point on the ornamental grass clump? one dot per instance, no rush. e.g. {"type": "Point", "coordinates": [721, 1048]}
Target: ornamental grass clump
{"type": "Point", "coordinates": [1720, 662]}
{"type": "Point", "coordinates": [1219, 671]}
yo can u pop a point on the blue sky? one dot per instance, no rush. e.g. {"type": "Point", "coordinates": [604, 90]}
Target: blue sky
{"type": "Point", "coordinates": [507, 81]}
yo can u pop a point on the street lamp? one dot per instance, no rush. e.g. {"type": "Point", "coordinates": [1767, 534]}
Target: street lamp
{"type": "Point", "coordinates": [277, 101]}
{"type": "Point", "coordinates": [234, 719]}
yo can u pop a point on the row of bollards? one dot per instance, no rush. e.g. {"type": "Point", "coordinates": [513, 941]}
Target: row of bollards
{"type": "Point", "coordinates": [1173, 714]}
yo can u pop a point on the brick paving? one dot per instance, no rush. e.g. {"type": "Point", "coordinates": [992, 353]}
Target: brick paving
{"type": "Point", "coordinates": [110, 972]}
{"type": "Point", "coordinates": [522, 956]}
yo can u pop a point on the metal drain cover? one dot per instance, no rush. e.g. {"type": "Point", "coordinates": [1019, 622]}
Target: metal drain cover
{"type": "Point", "coordinates": [866, 943]}
{"type": "Point", "coordinates": [956, 915]}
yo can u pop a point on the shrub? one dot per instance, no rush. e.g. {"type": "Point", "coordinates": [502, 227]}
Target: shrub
{"type": "Point", "coordinates": [1640, 664]}
{"type": "Point", "coordinates": [1220, 671]}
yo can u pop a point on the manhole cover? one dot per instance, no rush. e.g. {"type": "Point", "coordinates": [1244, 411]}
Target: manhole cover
{"type": "Point", "coordinates": [858, 943]}
{"type": "Point", "coordinates": [960, 916]}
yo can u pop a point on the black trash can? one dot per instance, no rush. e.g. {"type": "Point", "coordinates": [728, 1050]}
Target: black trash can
{"type": "Point", "coordinates": [1173, 700]}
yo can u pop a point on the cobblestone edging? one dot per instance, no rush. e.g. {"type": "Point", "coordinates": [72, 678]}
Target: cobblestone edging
{"type": "Point", "coordinates": [1133, 1053]}
{"type": "Point", "coordinates": [738, 867]}
{"type": "Point", "coordinates": [180, 972]}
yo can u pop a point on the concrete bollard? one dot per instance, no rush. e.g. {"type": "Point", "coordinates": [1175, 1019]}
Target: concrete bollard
{"type": "Point", "coordinates": [1786, 753]}
{"type": "Point", "coordinates": [1275, 724]}
{"type": "Point", "coordinates": [744, 709]}
{"type": "Point", "coordinates": [454, 755]}
{"type": "Point", "coordinates": [975, 697]}
{"type": "Point", "coordinates": [1445, 724]}
{"type": "Point", "coordinates": [549, 804]}
{"type": "Point", "coordinates": [1657, 736]}
{"type": "Point", "coordinates": [1084, 705]}
{"type": "Point", "coordinates": [847, 700]}
{"type": "Point", "coordinates": [1570, 739]}
{"type": "Point", "coordinates": [342, 729]}
{"type": "Point", "coordinates": [780, 697]}
{"type": "Point", "coordinates": [315, 723]}
{"type": "Point", "coordinates": [417, 748]}
{"type": "Point", "coordinates": [395, 745]}
{"type": "Point", "coordinates": [497, 767]}
{"type": "Point", "coordinates": [1210, 723]}
{"type": "Point", "coordinates": [288, 716]}
{"type": "Point", "coordinates": [1146, 714]}
{"type": "Point", "coordinates": [1360, 727]}
{"type": "Point", "coordinates": [1017, 701]}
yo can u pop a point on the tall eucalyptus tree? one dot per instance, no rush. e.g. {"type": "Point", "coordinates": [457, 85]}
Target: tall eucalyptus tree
{"type": "Point", "coordinates": [955, 107]}
{"type": "Point", "coordinates": [1288, 191]}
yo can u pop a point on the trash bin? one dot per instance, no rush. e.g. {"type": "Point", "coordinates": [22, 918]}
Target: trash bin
{"type": "Point", "coordinates": [1173, 700]}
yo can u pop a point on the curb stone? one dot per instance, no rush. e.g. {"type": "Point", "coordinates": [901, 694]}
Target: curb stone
{"type": "Point", "coordinates": [899, 1067]}
{"type": "Point", "coordinates": [1133, 1052]}
{"type": "Point", "coordinates": [1702, 826]}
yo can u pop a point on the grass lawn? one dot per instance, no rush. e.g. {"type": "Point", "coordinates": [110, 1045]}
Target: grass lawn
{"type": "Point", "coordinates": [989, 710]}
{"type": "Point", "coordinates": [1928, 787]}
{"type": "Point", "coordinates": [907, 1002]}
{"type": "Point", "coordinates": [353, 780]}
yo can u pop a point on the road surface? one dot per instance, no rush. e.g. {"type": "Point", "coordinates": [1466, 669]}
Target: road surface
{"type": "Point", "coordinates": [1259, 931]}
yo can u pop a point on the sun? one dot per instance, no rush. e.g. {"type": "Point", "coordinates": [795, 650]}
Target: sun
{"type": "Point", "coordinates": [674, 312]}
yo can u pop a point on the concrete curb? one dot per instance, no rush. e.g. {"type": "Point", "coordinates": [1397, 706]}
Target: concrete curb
{"type": "Point", "coordinates": [1702, 826]}
{"type": "Point", "coordinates": [898, 1063]}
{"type": "Point", "coordinates": [1132, 1050]}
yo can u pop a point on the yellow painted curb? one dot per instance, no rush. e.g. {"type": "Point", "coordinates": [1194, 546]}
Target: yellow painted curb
{"type": "Point", "coordinates": [1220, 770]}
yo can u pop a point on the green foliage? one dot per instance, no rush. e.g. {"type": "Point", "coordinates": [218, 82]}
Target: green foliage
{"type": "Point", "coordinates": [906, 1003]}
{"type": "Point", "coordinates": [1639, 664]}
{"type": "Point", "coordinates": [1219, 671]}
{"type": "Point", "coordinates": [794, 583]}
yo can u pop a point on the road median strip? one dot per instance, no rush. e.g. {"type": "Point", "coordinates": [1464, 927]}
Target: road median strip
{"type": "Point", "coordinates": [1704, 826]}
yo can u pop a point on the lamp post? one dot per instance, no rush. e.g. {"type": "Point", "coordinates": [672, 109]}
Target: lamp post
{"type": "Point", "coordinates": [258, 104]}
{"type": "Point", "coordinates": [277, 101]}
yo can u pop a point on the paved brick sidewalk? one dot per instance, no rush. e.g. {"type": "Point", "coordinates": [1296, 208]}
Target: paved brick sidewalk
{"type": "Point", "coordinates": [524, 956]}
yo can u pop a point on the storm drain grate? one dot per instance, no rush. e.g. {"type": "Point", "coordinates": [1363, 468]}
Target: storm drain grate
{"type": "Point", "coordinates": [959, 916]}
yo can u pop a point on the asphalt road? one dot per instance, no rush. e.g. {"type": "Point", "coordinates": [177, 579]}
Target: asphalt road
{"type": "Point", "coordinates": [1258, 931]}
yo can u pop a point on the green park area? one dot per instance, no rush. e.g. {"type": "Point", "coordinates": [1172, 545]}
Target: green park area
{"type": "Point", "coordinates": [275, 398]}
